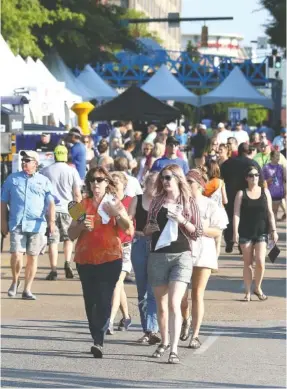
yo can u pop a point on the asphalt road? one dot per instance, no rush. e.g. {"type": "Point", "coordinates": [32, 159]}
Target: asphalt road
{"type": "Point", "coordinates": [46, 343]}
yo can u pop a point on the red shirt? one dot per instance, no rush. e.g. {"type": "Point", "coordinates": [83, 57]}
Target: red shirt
{"type": "Point", "coordinates": [125, 238]}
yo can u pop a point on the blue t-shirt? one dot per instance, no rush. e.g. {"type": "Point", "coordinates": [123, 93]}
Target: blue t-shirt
{"type": "Point", "coordinates": [78, 153]}
{"type": "Point", "coordinates": [182, 139]}
{"type": "Point", "coordinates": [160, 163]}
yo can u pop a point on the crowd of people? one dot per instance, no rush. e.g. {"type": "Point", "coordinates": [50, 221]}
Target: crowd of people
{"type": "Point", "coordinates": [155, 205]}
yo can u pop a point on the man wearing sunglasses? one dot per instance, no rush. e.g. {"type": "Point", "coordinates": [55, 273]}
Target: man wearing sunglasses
{"type": "Point", "coordinates": [29, 196]}
{"type": "Point", "coordinates": [171, 157]}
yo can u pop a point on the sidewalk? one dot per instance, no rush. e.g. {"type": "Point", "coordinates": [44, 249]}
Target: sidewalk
{"type": "Point", "coordinates": [45, 343]}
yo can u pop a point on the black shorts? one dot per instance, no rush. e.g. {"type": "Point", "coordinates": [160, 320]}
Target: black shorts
{"type": "Point", "coordinates": [254, 239]}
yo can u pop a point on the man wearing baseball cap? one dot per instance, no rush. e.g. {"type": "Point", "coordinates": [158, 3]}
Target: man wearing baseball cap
{"type": "Point", "coordinates": [170, 157]}
{"type": "Point", "coordinates": [67, 187]}
{"type": "Point", "coordinates": [29, 196]}
{"type": "Point", "coordinates": [45, 143]}
{"type": "Point", "coordinates": [78, 151]}
{"type": "Point", "coordinates": [223, 134]}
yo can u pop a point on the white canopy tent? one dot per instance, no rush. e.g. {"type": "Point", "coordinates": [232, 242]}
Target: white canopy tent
{"type": "Point", "coordinates": [102, 90]}
{"type": "Point", "coordinates": [236, 88]}
{"type": "Point", "coordinates": [62, 73]}
{"type": "Point", "coordinates": [164, 86]}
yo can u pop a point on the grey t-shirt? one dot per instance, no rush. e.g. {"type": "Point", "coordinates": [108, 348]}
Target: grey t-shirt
{"type": "Point", "coordinates": [64, 179]}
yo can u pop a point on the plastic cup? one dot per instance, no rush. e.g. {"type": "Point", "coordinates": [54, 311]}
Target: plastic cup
{"type": "Point", "coordinates": [91, 218]}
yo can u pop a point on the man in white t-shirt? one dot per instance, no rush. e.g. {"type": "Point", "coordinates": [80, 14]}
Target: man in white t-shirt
{"type": "Point", "coordinates": [240, 135]}
{"type": "Point", "coordinates": [133, 187]}
{"type": "Point", "coordinates": [223, 134]}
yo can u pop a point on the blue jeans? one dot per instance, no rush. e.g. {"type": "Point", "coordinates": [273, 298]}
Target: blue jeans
{"type": "Point", "coordinates": [146, 299]}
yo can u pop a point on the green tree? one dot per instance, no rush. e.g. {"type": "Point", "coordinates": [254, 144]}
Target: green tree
{"type": "Point", "coordinates": [18, 19]}
{"type": "Point", "coordinates": [276, 27]}
{"type": "Point", "coordinates": [81, 31]}
{"type": "Point", "coordinates": [140, 30]}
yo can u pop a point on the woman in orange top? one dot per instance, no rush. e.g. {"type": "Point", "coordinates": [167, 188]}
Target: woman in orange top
{"type": "Point", "coordinates": [215, 189]}
{"type": "Point", "coordinates": [98, 252]}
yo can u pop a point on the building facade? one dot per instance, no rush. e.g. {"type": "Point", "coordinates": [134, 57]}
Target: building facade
{"type": "Point", "coordinates": [221, 45]}
{"type": "Point", "coordinates": [170, 36]}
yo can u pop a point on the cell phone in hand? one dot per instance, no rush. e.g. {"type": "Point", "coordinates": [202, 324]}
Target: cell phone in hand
{"type": "Point", "coordinates": [273, 253]}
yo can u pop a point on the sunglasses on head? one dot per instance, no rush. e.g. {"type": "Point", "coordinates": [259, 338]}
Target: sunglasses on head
{"type": "Point", "coordinates": [166, 177]}
{"type": "Point", "coordinates": [97, 179]}
{"type": "Point", "coordinates": [27, 160]}
{"type": "Point", "coordinates": [252, 175]}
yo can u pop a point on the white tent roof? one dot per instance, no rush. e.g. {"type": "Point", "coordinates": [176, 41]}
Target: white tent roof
{"type": "Point", "coordinates": [236, 88]}
{"type": "Point", "coordinates": [62, 73]}
{"type": "Point", "coordinates": [164, 86]}
{"type": "Point", "coordinates": [92, 80]}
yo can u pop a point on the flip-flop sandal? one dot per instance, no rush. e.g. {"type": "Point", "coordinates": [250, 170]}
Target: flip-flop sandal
{"type": "Point", "coordinates": [173, 358]}
{"type": "Point", "coordinates": [246, 299]}
{"type": "Point", "coordinates": [261, 296]}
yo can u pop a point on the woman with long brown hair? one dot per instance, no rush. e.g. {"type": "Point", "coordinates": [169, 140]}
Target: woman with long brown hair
{"type": "Point", "coordinates": [173, 223]}
{"type": "Point", "coordinates": [98, 252]}
{"type": "Point", "coordinates": [224, 153]}
{"type": "Point", "coordinates": [253, 220]}
{"type": "Point", "coordinates": [204, 257]}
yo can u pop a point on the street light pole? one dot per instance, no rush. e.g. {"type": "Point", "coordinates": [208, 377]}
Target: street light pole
{"type": "Point", "coordinates": [174, 20]}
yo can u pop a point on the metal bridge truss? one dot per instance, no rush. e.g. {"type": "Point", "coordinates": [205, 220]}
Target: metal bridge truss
{"type": "Point", "coordinates": [204, 71]}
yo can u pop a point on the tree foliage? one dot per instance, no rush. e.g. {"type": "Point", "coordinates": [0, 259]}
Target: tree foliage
{"type": "Point", "coordinates": [276, 27]}
{"type": "Point", "coordinates": [141, 29]}
{"type": "Point", "coordinates": [82, 31]}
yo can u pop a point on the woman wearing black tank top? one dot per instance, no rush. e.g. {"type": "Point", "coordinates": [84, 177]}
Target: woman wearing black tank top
{"type": "Point", "coordinates": [252, 222]}
{"type": "Point", "coordinates": [138, 210]}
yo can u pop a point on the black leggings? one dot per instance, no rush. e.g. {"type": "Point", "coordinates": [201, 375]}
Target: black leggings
{"type": "Point", "coordinates": [98, 284]}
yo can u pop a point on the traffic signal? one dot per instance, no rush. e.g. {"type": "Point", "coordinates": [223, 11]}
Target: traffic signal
{"type": "Point", "coordinates": [278, 62]}
{"type": "Point", "coordinates": [204, 36]}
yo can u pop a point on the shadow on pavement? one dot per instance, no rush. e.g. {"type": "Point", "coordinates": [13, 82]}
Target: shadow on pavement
{"type": "Point", "coordinates": [55, 379]}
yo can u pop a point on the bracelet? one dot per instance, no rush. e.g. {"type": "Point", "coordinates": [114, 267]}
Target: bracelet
{"type": "Point", "coordinates": [117, 217]}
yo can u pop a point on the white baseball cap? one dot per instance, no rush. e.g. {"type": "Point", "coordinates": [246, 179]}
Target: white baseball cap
{"type": "Point", "coordinates": [220, 125]}
{"type": "Point", "coordinates": [30, 154]}
{"type": "Point", "coordinates": [171, 126]}
{"type": "Point", "coordinates": [203, 126]}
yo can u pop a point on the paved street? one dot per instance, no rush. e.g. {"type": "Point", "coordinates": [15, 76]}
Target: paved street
{"type": "Point", "coordinates": [46, 343]}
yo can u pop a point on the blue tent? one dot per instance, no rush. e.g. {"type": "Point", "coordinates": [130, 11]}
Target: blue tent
{"type": "Point", "coordinates": [164, 86]}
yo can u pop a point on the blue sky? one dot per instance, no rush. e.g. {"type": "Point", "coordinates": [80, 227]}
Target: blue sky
{"type": "Point", "coordinates": [246, 22]}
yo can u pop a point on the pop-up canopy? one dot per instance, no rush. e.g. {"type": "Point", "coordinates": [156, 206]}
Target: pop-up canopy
{"type": "Point", "coordinates": [236, 88]}
{"type": "Point", "coordinates": [164, 86]}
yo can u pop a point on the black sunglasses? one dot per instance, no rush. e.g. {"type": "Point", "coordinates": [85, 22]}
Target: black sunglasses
{"type": "Point", "coordinates": [27, 160]}
{"type": "Point", "coordinates": [98, 179]}
{"type": "Point", "coordinates": [253, 175]}
{"type": "Point", "coordinates": [166, 177]}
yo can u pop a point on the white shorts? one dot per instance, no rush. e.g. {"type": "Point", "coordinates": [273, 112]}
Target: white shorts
{"type": "Point", "coordinates": [127, 263]}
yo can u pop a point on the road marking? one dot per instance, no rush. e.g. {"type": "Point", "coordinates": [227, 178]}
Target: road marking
{"type": "Point", "coordinates": [209, 342]}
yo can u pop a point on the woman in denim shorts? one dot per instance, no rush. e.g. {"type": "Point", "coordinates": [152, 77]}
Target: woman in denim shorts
{"type": "Point", "coordinates": [252, 222]}
{"type": "Point", "coordinates": [170, 263]}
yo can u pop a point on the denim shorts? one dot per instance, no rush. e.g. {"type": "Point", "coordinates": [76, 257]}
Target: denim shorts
{"type": "Point", "coordinates": [63, 222]}
{"type": "Point", "coordinates": [254, 239]}
{"type": "Point", "coordinates": [166, 267]}
{"type": "Point", "coordinates": [30, 243]}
